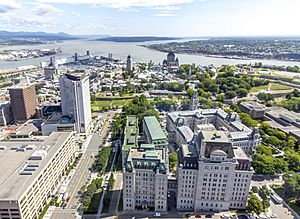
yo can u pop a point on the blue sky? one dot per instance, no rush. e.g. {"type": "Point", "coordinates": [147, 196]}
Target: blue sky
{"type": "Point", "coordinates": [153, 17]}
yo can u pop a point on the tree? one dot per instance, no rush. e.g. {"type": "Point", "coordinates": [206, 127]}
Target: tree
{"type": "Point", "coordinates": [273, 140]}
{"type": "Point", "coordinates": [265, 97]}
{"type": "Point", "coordinates": [254, 189]}
{"type": "Point", "coordinates": [292, 183]}
{"type": "Point", "coordinates": [254, 204]}
{"type": "Point", "coordinates": [230, 94]}
{"type": "Point", "coordinates": [294, 161]}
{"type": "Point", "coordinates": [242, 92]}
{"type": "Point", "coordinates": [247, 120]}
{"type": "Point", "coordinates": [220, 98]}
{"type": "Point", "coordinates": [173, 160]}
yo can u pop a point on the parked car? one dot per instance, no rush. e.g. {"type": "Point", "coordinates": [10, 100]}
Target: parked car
{"type": "Point", "coordinates": [156, 214]}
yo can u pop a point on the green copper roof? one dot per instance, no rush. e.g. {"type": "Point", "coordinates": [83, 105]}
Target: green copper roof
{"type": "Point", "coordinates": [154, 128]}
{"type": "Point", "coordinates": [131, 133]}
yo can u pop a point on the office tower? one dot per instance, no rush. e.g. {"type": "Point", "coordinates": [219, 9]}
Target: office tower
{"type": "Point", "coordinates": [128, 63]}
{"type": "Point", "coordinates": [75, 99]}
{"type": "Point", "coordinates": [23, 101]}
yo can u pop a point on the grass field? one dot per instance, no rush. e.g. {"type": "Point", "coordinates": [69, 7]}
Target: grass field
{"type": "Point", "coordinates": [256, 89]}
{"type": "Point", "coordinates": [106, 103]}
{"type": "Point", "coordinates": [275, 86]}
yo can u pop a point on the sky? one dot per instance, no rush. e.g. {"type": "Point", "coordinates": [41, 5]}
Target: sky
{"type": "Point", "coordinates": [182, 18]}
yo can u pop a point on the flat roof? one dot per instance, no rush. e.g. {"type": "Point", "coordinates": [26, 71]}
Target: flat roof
{"type": "Point", "coordinates": [131, 133]}
{"type": "Point", "coordinates": [154, 128]}
{"type": "Point", "coordinates": [240, 154]}
{"type": "Point", "coordinates": [28, 127]}
{"type": "Point", "coordinates": [58, 118]}
{"type": "Point", "coordinates": [215, 136]}
{"type": "Point", "coordinates": [12, 184]}
{"type": "Point", "coordinates": [20, 86]}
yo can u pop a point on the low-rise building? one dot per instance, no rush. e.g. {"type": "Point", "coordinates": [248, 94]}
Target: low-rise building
{"type": "Point", "coordinates": [153, 132]}
{"type": "Point", "coordinates": [254, 109]}
{"type": "Point", "coordinates": [58, 122]}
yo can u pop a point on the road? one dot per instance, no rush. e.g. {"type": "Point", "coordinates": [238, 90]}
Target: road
{"type": "Point", "coordinates": [82, 172]}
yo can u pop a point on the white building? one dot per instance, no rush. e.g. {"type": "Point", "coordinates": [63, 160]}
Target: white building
{"type": "Point", "coordinates": [214, 172]}
{"type": "Point", "coordinates": [145, 179]}
{"type": "Point", "coordinates": [76, 100]}
{"type": "Point", "coordinates": [212, 175]}
{"type": "Point", "coordinates": [211, 119]}
{"type": "Point", "coordinates": [30, 173]}
{"type": "Point", "coordinates": [145, 166]}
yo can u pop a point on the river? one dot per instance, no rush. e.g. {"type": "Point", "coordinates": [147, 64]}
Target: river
{"type": "Point", "coordinates": [121, 51]}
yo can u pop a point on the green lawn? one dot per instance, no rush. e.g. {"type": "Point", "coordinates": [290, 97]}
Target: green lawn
{"type": "Point", "coordinates": [275, 86]}
{"type": "Point", "coordinates": [256, 89]}
{"type": "Point", "coordinates": [107, 103]}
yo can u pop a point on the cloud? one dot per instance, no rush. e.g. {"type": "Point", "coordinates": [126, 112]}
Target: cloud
{"type": "Point", "coordinates": [8, 5]}
{"type": "Point", "coordinates": [121, 4]}
{"type": "Point", "coordinates": [44, 9]}
{"type": "Point", "coordinates": [164, 15]}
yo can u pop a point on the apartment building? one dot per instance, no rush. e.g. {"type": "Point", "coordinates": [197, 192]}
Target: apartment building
{"type": "Point", "coordinates": [76, 100]}
{"type": "Point", "coordinates": [30, 173]}
{"type": "Point", "coordinates": [213, 175]}
{"type": "Point", "coordinates": [181, 125]}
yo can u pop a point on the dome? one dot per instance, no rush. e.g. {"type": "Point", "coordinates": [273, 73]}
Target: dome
{"type": "Point", "coordinates": [218, 153]}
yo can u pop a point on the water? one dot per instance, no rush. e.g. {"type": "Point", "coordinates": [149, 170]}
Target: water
{"type": "Point", "coordinates": [121, 51]}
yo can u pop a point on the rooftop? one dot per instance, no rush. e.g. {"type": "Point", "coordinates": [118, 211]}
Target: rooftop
{"type": "Point", "coordinates": [240, 154]}
{"type": "Point", "coordinates": [141, 158]}
{"type": "Point", "coordinates": [16, 164]}
{"type": "Point", "coordinates": [154, 128]}
{"type": "Point", "coordinates": [215, 136]}
{"type": "Point", "coordinates": [58, 118]}
{"type": "Point", "coordinates": [28, 128]}
{"type": "Point", "coordinates": [253, 105]}
{"type": "Point", "coordinates": [131, 133]}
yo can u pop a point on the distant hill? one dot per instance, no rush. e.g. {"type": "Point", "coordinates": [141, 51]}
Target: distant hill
{"type": "Point", "coordinates": [39, 35]}
{"type": "Point", "coordinates": [136, 39]}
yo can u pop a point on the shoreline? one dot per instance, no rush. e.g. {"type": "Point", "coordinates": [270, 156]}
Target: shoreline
{"type": "Point", "coordinates": [221, 56]}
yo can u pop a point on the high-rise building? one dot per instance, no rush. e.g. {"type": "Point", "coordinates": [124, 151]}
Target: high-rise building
{"type": "Point", "coordinates": [213, 175]}
{"type": "Point", "coordinates": [145, 166]}
{"type": "Point", "coordinates": [76, 100]}
{"type": "Point", "coordinates": [128, 63]}
{"type": "Point", "coordinates": [214, 172]}
{"type": "Point", "coordinates": [23, 101]}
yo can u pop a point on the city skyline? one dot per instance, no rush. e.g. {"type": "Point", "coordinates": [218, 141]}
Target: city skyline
{"type": "Point", "coordinates": [182, 18]}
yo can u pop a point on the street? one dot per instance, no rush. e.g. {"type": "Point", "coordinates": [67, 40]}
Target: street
{"type": "Point", "coordinates": [82, 172]}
